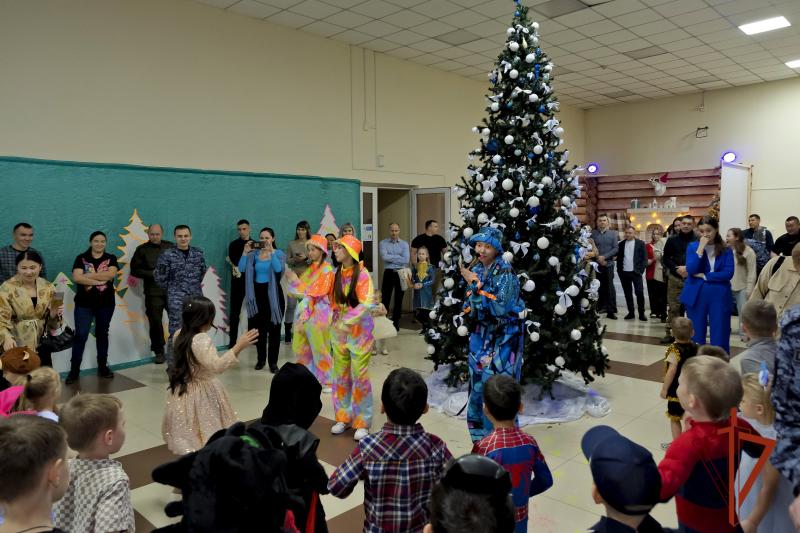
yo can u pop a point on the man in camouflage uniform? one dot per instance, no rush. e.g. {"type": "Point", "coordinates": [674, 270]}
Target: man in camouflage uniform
{"type": "Point", "coordinates": [786, 398]}
{"type": "Point", "coordinates": [180, 272]}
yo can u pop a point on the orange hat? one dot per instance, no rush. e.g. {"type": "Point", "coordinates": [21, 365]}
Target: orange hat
{"type": "Point", "coordinates": [352, 245]}
{"type": "Point", "coordinates": [319, 241]}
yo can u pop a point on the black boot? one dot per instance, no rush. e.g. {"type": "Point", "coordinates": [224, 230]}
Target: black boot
{"type": "Point", "coordinates": [287, 336]}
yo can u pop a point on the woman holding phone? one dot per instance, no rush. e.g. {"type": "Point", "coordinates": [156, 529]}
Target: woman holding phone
{"type": "Point", "coordinates": [28, 305]}
{"type": "Point", "coordinates": [262, 264]}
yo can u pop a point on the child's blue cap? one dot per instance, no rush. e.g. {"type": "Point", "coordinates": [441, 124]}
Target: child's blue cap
{"type": "Point", "coordinates": [625, 474]}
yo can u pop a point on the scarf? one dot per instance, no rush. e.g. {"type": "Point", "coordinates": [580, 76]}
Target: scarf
{"type": "Point", "coordinates": [422, 270]}
{"type": "Point", "coordinates": [250, 289]}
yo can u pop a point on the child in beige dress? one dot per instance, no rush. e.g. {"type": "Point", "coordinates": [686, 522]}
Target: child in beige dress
{"type": "Point", "coordinates": [197, 404]}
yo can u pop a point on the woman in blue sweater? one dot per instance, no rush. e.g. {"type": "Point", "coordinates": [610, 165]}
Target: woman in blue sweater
{"type": "Point", "coordinates": [263, 264]}
{"type": "Point", "coordinates": [707, 291]}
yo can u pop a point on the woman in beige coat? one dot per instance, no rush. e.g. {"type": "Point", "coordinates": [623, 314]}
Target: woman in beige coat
{"type": "Point", "coordinates": [25, 303]}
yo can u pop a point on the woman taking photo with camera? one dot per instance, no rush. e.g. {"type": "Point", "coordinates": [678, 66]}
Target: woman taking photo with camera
{"type": "Point", "coordinates": [262, 264]}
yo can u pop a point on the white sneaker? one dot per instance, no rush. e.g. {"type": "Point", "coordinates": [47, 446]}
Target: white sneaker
{"type": "Point", "coordinates": [327, 390]}
{"type": "Point", "coordinates": [338, 428]}
{"type": "Point", "coordinates": [385, 351]}
{"type": "Point", "coordinates": [360, 433]}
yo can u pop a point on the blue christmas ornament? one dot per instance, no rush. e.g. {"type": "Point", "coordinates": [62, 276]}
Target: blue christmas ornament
{"type": "Point", "coordinates": [542, 109]}
{"type": "Point", "coordinates": [530, 155]}
{"type": "Point", "coordinates": [536, 68]}
{"type": "Point", "coordinates": [516, 13]}
{"type": "Point", "coordinates": [536, 258]}
{"type": "Point", "coordinates": [509, 105]}
{"type": "Point", "coordinates": [491, 146]}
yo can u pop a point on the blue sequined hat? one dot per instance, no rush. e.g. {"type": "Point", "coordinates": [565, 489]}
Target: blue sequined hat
{"type": "Point", "coordinates": [489, 235]}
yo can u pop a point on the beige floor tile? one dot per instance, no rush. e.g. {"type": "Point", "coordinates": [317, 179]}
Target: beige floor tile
{"type": "Point", "coordinates": [628, 352]}
{"type": "Point", "coordinates": [138, 438]}
{"type": "Point", "coordinates": [550, 515]}
{"type": "Point", "coordinates": [150, 501]}
{"type": "Point", "coordinates": [335, 506]}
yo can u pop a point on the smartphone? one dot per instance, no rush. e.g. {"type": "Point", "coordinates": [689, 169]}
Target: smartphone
{"type": "Point", "coordinates": [57, 300]}
{"type": "Point", "coordinates": [256, 245]}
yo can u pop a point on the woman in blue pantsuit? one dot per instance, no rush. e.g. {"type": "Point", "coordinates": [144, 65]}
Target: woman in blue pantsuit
{"type": "Point", "coordinates": [707, 291]}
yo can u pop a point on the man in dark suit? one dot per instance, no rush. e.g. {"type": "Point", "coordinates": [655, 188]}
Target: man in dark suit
{"type": "Point", "coordinates": [631, 264]}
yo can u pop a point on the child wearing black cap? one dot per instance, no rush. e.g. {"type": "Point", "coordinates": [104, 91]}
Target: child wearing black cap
{"type": "Point", "coordinates": [517, 451]}
{"type": "Point", "coordinates": [625, 480]}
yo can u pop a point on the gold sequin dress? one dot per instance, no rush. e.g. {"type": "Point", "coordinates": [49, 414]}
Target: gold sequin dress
{"type": "Point", "coordinates": [191, 418]}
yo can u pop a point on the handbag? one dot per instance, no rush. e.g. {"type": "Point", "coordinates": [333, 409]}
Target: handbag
{"type": "Point", "coordinates": [61, 341]}
{"type": "Point", "coordinates": [383, 328]}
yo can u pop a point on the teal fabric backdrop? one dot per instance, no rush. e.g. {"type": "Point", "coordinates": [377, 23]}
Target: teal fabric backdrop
{"type": "Point", "coordinates": [66, 201]}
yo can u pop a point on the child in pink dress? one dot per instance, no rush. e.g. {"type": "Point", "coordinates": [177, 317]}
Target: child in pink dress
{"type": "Point", "coordinates": [197, 404]}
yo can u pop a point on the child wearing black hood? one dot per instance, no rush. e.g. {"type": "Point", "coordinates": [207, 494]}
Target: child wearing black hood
{"type": "Point", "coordinates": [294, 404]}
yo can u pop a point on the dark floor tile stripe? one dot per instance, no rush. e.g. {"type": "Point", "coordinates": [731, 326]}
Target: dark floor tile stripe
{"type": "Point", "coordinates": [141, 523]}
{"type": "Point", "coordinates": [120, 383]}
{"type": "Point", "coordinates": [654, 372]}
{"type": "Point", "coordinates": [350, 521]}
{"type": "Point", "coordinates": [333, 449]}
{"type": "Point", "coordinates": [139, 465]}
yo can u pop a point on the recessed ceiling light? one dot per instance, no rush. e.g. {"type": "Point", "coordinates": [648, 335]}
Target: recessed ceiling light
{"type": "Point", "coordinates": [458, 37]}
{"type": "Point", "coordinates": [761, 26]}
{"type": "Point", "coordinates": [793, 64]}
{"type": "Point", "coordinates": [641, 53]}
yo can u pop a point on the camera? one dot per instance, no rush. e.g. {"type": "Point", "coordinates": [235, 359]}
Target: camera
{"type": "Point", "coordinates": [256, 245]}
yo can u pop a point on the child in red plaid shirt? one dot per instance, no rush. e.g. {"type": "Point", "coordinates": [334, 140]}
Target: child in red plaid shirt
{"type": "Point", "coordinates": [511, 447]}
{"type": "Point", "coordinates": [400, 464]}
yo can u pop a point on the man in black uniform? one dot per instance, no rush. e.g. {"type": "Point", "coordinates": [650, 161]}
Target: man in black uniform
{"type": "Point", "coordinates": [235, 250]}
{"type": "Point", "coordinates": [143, 264]}
{"type": "Point", "coordinates": [674, 260]}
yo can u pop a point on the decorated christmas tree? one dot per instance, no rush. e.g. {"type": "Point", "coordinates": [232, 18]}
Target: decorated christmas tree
{"type": "Point", "coordinates": [518, 181]}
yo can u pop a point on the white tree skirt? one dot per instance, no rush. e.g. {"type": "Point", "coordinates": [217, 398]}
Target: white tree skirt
{"type": "Point", "coordinates": [570, 399]}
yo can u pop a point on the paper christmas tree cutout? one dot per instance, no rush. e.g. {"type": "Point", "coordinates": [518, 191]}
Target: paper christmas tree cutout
{"type": "Point", "coordinates": [136, 235]}
{"type": "Point", "coordinates": [328, 222]}
{"type": "Point", "coordinates": [212, 289]}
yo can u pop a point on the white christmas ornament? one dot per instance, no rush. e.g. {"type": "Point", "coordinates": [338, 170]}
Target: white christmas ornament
{"type": "Point", "coordinates": [513, 46]}
{"type": "Point", "coordinates": [514, 74]}
{"type": "Point", "coordinates": [483, 218]}
{"type": "Point", "coordinates": [513, 212]}
{"type": "Point", "coordinates": [538, 149]}
{"type": "Point", "coordinates": [548, 67]}
{"type": "Point", "coordinates": [584, 303]}
{"type": "Point", "coordinates": [533, 201]}
{"type": "Point", "coordinates": [558, 132]}
{"type": "Point", "coordinates": [475, 129]}
{"type": "Point", "coordinates": [467, 233]}
{"type": "Point", "coordinates": [534, 336]}
{"type": "Point", "coordinates": [507, 184]}
{"type": "Point", "coordinates": [508, 257]}
{"type": "Point", "coordinates": [575, 334]}
{"type": "Point", "coordinates": [431, 349]}
{"type": "Point", "coordinates": [447, 255]}
{"type": "Point", "coordinates": [560, 309]}
{"type": "Point", "coordinates": [535, 25]}
{"type": "Point", "coordinates": [463, 331]}
{"type": "Point", "coordinates": [533, 98]}
{"type": "Point", "coordinates": [542, 243]}
{"type": "Point", "coordinates": [496, 159]}
{"type": "Point", "coordinates": [566, 200]}
{"type": "Point", "coordinates": [517, 152]}
{"type": "Point", "coordinates": [529, 285]}
{"type": "Point", "coordinates": [485, 132]}
{"type": "Point", "coordinates": [495, 106]}
{"type": "Point", "coordinates": [572, 290]}
{"type": "Point", "coordinates": [510, 32]}
{"type": "Point", "coordinates": [558, 222]}
{"type": "Point", "coordinates": [553, 261]}
{"type": "Point", "coordinates": [509, 139]}
{"type": "Point", "coordinates": [488, 196]}
{"type": "Point", "coordinates": [547, 181]}
{"type": "Point", "coordinates": [560, 361]}
{"type": "Point", "coordinates": [432, 315]}
{"type": "Point", "coordinates": [530, 58]}
{"type": "Point", "coordinates": [448, 283]}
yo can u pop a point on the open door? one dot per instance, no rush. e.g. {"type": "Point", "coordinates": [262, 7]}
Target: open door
{"type": "Point", "coordinates": [368, 234]}
{"type": "Point", "coordinates": [431, 204]}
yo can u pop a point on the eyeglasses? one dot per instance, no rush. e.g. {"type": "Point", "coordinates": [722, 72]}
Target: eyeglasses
{"type": "Point", "coordinates": [477, 474]}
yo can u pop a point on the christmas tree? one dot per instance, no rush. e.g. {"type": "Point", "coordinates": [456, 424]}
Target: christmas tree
{"type": "Point", "coordinates": [136, 235]}
{"type": "Point", "coordinates": [518, 182]}
{"type": "Point", "coordinates": [212, 289]}
{"type": "Point", "coordinates": [328, 222]}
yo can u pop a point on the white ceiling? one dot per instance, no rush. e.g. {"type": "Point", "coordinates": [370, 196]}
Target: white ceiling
{"type": "Point", "coordinates": [701, 46]}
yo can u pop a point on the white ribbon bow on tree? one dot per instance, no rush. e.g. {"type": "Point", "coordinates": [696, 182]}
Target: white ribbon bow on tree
{"type": "Point", "coordinates": [493, 224]}
{"type": "Point", "coordinates": [517, 246]}
{"type": "Point", "coordinates": [564, 299]}
{"type": "Point", "coordinates": [449, 300]}
{"type": "Point", "coordinates": [467, 212]}
{"type": "Point", "coordinates": [458, 320]}
{"type": "Point", "coordinates": [530, 324]}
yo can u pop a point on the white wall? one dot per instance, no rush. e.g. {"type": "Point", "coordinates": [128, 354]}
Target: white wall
{"type": "Point", "coordinates": [761, 123]}
{"type": "Point", "coordinates": [177, 83]}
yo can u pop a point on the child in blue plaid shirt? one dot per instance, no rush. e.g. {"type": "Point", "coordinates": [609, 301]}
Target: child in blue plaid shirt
{"type": "Point", "coordinates": [400, 464]}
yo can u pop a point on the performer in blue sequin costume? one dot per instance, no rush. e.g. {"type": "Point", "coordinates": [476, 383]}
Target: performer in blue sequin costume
{"type": "Point", "coordinates": [494, 306]}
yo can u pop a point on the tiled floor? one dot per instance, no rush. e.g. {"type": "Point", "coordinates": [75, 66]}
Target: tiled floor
{"type": "Point", "coordinates": [631, 384]}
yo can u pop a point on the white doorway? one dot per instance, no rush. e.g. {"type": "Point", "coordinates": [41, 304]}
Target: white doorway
{"type": "Point", "coordinates": [431, 204]}
{"type": "Point", "coordinates": [368, 233]}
